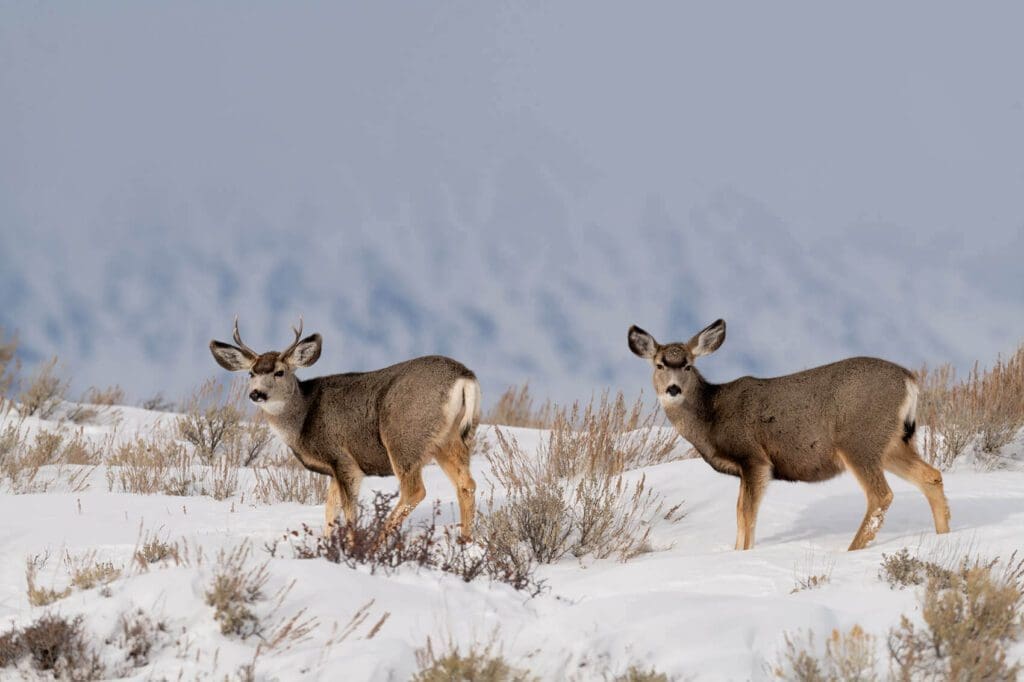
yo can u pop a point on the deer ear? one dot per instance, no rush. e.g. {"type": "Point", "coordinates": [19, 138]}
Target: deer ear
{"type": "Point", "coordinates": [642, 343]}
{"type": "Point", "coordinates": [708, 339]}
{"type": "Point", "coordinates": [230, 357]}
{"type": "Point", "coordinates": [305, 352]}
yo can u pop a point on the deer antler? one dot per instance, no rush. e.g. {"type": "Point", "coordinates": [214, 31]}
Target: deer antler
{"type": "Point", "coordinates": [238, 341]}
{"type": "Point", "coordinates": [298, 335]}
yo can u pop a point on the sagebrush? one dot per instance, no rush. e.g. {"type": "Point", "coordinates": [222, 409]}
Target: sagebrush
{"type": "Point", "coordinates": [368, 542]}
{"type": "Point", "coordinates": [573, 495]}
{"type": "Point", "coordinates": [985, 408]}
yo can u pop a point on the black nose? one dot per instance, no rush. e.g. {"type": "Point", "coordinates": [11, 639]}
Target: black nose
{"type": "Point", "coordinates": [673, 390]}
{"type": "Point", "coordinates": [257, 396]}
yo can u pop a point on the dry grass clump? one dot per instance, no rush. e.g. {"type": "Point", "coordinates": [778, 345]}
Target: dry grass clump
{"type": "Point", "coordinates": [366, 543]}
{"type": "Point", "coordinates": [150, 466]}
{"type": "Point", "coordinates": [638, 674]}
{"type": "Point", "coordinates": [37, 594]}
{"type": "Point", "coordinates": [848, 657]}
{"type": "Point", "coordinates": [235, 588]}
{"type": "Point", "coordinates": [80, 451]}
{"type": "Point", "coordinates": [987, 407]}
{"type": "Point", "coordinates": [151, 549]}
{"type": "Point", "coordinates": [138, 636]}
{"type": "Point", "coordinates": [9, 366]}
{"type": "Point", "coordinates": [288, 481]}
{"type": "Point", "coordinates": [157, 403]}
{"type": "Point", "coordinates": [970, 623]}
{"type": "Point", "coordinates": [572, 495]}
{"type": "Point", "coordinates": [902, 569]}
{"type": "Point", "coordinates": [816, 572]}
{"type": "Point", "coordinates": [973, 617]}
{"type": "Point", "coordinates": [481, 663]}
{"type": "Point", "coordinates": [22, 461]}
{"type": "Point", "coordinates": [95, 402]}
{"type": "Point", "coordinates": [44, 392]}
{"type": "Point", "coordinates": [53, 645]}
{"type": "Point", "coordinates": [515, 408]}
{"type": "Point", "coordinates": [87, 571]}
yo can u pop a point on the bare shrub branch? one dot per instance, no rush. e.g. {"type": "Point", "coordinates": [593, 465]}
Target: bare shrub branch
{"type": "Point", "coordinates": [210, 420]}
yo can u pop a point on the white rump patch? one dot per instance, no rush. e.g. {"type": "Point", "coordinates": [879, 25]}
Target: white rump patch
{"type": "Point", "coordinates": [463, 403]}
{"type": "Point", "coordinates": [908, 409]}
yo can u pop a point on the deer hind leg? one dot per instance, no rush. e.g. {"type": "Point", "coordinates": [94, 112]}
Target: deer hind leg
{"type": "Point", "coordinates": [741, 526]}
{"type": "Point", "coordinates": [871, 477]}
{"type": "Point", "coordinates": [410, 493]}
{"type": "Point", "coordinates": [454, 461]}
{"type": "Point", "coordinates": [753, 482]}
{"type": "Point", "coordinates": [902, 460]}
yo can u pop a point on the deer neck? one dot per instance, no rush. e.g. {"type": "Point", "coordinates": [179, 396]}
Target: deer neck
{"type": "Point", "coordinates": [693, 416]}
{"type": "Point", "coordinates": [287, 417]}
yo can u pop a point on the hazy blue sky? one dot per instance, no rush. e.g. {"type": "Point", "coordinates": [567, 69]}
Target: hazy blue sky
{"type": "Point", "coordinates": [510, 183]}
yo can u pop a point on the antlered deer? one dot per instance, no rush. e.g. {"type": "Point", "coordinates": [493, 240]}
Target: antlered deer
{"type": "Point", "coordinates": [856, 414]}
{"type": "Point", "coordinates": [389, 421]}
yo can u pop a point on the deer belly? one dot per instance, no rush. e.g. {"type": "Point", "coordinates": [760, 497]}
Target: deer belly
{"type": "Point", "coordinates": [810, 463]}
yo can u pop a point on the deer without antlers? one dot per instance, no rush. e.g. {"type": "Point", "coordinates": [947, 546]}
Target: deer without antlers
{"type": "Point", "coordinates": [856, 414]}
{"type": "Point", "coordinates": [389, 421]}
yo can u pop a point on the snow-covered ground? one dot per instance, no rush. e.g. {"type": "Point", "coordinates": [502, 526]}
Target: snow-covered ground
{"type": "Point", "coordinates": [693, 608]}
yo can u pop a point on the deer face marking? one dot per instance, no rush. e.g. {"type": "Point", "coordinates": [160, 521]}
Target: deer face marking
{"type": "Point", "coordinates": [272, 383]}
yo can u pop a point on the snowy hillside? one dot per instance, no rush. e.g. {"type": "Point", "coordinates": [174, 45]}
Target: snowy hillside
{"type": "Point", "coordinates": [481, 184]}
{"type": "Point", "coordinates": [692, 607]}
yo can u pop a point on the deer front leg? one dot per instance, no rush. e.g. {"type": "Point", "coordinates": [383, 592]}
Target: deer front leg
{"type": "Point", "coordinates": [753, 481]}
{"type": "Point", "coordinates": [343, 493]}
{"type": "Point", "coordinates": [331, 506]}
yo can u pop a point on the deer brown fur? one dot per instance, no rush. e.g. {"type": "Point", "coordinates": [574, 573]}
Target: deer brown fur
{"type": "Point", "coordinates": [856, 414]}
{"type": "Point", "coordinates": [389, 421]}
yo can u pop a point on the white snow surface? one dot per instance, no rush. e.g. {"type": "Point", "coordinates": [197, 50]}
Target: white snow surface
{"type": "Point", "coordinates": [693, 607]}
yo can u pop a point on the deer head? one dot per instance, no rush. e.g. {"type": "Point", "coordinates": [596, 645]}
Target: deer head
{"type": "Point", "coordinates": [673, 362]}
{"type": "Point", "coordinates": [272, 381]}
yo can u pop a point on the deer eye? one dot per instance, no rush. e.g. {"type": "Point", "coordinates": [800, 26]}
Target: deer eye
{"type": "Point", "coordinates": [252, 373]}
{"type": "Point", "coordinates": [279, 373]}
{"type": "Point", "coordinates": [660, 366]}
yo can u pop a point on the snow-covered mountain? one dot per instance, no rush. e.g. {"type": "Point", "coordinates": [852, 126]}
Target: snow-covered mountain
{"type": "Point", "coordinates": [510, 187]}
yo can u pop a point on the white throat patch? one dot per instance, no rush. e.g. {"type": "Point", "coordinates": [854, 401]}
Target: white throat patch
{"type": "Point", "coordinates": [272, 406]}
